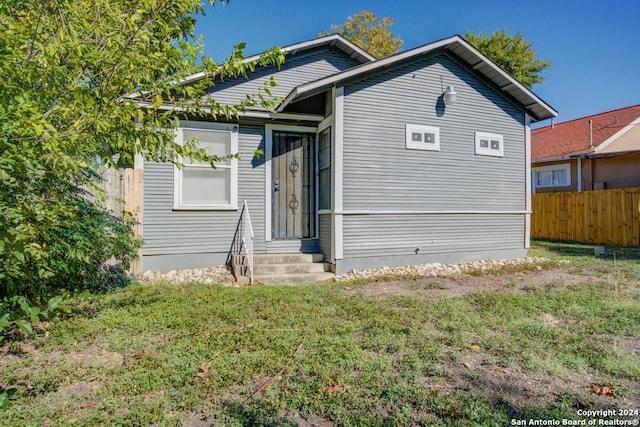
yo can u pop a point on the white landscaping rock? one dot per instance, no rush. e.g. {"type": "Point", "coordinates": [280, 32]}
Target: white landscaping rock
{"type": "Point", "coordinates": [436, 269]}
{"type": "Point", "coordinates": [222, 274]}
{"type": "Point", "coordinates": [217, 274]}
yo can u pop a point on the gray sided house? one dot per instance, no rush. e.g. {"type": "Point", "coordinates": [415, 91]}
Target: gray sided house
{"type": "Point", "coordinates": [363, 163]}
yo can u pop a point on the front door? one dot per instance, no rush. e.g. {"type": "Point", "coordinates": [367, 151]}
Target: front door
{"type": "Point", "coordinates": [293, 187]}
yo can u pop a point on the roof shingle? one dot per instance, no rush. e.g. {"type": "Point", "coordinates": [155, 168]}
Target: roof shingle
{"type": "Point", "coordinates": [572, 137]}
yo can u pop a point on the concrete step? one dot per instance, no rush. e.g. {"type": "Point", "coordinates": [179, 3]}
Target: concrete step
{"type": "Point", "coordinates": [297, 268]}
{"type": "Point", "coordinates": [286, 258]}
{"type": "Point", "coordinates": [305, 267]}
{"type": "Point", "coordinates": [293, 279]}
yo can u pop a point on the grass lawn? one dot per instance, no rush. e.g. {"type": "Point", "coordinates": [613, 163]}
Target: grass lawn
{"type": "Point", "coordinates": [520, 345]}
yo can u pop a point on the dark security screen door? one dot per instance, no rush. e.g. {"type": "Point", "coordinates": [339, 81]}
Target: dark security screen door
{"type": "Point", "coordinates": [293, 186]}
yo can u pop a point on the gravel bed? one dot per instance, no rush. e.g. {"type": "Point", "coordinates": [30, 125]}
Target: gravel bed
{"type": "Point", "coordinates": [218, 274]}
{"type": "Point", "coordinates": [222, 274]}
{"type": "Point", "coordinates": [441, 270]}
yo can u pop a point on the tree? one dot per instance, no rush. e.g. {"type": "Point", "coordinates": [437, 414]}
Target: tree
{"type": "Point", "coordinates": [367, 31]}
{"type": "Point", "coordinates": [513, 53]}
{"type": "Point", "coordinates": [67, 69]}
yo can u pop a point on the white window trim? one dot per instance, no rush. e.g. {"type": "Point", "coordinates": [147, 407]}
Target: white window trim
{"type": "Point", "coordinates": [233, 166]}
{"type": "Point", "coordinates": [482, 151]}
{"type": "Point", "coordinates": [559, 166]}
{"type": "Point", "coordinates": [419, 145]}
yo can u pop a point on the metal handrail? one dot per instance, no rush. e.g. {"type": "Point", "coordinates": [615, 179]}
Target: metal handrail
{"type": "Point", "coordinates": [242, 243]}
{"type": "Point", "coordinates": [247, 239]}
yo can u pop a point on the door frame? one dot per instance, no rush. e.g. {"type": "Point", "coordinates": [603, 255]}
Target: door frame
{"type": "Point", "coordinates": [268, 156]}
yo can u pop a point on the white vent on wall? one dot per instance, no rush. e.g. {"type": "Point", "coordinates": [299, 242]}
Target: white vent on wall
{"type": "Point", "coordinates": [420, 137]}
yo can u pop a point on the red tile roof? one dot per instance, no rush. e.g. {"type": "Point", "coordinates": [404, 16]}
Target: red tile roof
{"type": "Point", "coordinates": [572, 137]}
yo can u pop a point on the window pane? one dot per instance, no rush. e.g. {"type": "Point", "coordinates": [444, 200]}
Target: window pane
{"type": "Point", "coordinates": [215, 142]}
{"type": "Point", "coordinates": [324, 149]}
{"type": "Point", "coordinates": [324, 166]}
{"type": "Point", "coordinates": [560, 177]}
{"type": "Point", "coordinates": [543, 178]}
{"type": "Point", "coordinates": [206, 186]}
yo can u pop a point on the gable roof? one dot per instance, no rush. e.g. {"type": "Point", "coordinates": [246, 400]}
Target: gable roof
{"type": "Point", "coordinates": [535, 106]}
{"type": "Point", "coordinates": [336, 40]}
{"type": "Point", "coordinates": [572, 138]}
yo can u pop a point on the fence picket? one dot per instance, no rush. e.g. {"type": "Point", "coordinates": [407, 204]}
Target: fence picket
{"type": "Point", "coordinates": [610, 217]}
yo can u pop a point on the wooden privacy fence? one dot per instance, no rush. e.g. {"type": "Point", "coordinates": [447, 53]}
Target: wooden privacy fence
{"type": "Point", "coordinates": [123, 192]}
{"type": "Point", "coordinates": [609, 217]}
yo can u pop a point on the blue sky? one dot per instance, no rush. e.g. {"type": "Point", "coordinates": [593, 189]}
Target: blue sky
{"type": "Point", "coordinates": [593, 45]}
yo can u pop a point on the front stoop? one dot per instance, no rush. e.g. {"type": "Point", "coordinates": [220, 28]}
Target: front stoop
{"type": "Point", "coordinates": [280, 269]}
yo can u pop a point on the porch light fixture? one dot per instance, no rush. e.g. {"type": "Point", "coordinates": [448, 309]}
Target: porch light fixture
{"type": "Point", "coordinates": [450, 96]}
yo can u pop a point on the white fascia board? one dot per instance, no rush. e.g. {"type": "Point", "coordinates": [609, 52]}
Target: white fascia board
{"type": "Point", "coordinates": [508, 88]}
{"type": "Point", "coordinates": [512, 83]}
{"type": "Point", "coordinates": [250, 113]}
{"type": "Point", "coordinates": [333, 40]}
{"type": "Point", "coordinates": [304, 89]}
{"type": "Point", "coordinates": [513, 87]}
{"type": "Point", "coordinates": [617, 135]}
{"type": "Point", "coordinates": [559, 158]}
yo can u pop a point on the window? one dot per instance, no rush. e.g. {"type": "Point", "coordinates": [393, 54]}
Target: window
{"type": "Point", "coordinates": [552, 176]}
{"type": "Point", "coordinates": [324, 169]}
{"type": "Point", "coordinates": [199, 186]}
{"type": "Point", "coordinates": [420, 137]}
{"type": "Point", "coordinates": [489, 144]}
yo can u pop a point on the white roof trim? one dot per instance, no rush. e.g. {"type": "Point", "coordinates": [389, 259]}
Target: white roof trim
{"type": "Point", "coordinates": [617, 135]}
{"type": "Point", "coordinates": [558, 158]}
{"type": "Point", "coordinates": [247, 113]}
{"type": "Point", "coordinates": [333, 40]}
{"type": "Point", "coordinates": [455, 44]}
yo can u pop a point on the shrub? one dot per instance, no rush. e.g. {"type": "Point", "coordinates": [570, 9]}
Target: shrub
{"type": "Point", "coordinates": [57, 238]}
{"type": "Point", "coordinates": [18, 316]}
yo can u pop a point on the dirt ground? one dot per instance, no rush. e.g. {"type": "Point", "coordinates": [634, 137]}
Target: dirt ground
{"type": "Point", "coordinates": [462, 285]}
{"type": "Point", "coordinates": [515, 387]}
{"type": "Point", "coordinates": [512, 387]}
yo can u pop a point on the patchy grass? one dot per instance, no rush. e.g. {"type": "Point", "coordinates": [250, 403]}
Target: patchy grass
{"type": "Point", "coordinates": [333, 354]}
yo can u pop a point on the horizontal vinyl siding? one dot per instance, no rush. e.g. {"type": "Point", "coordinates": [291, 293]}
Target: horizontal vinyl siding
{"type": "Point", "coordinates": [379, 173]}
{"type": "Point", "coordinates": [324, 235]}
{"type": "Point", "coordinates": [167, 232]}
{"type": "Point", "coordinates": [297, 69]}
{"type": "Point", "coordinates": [389, 235]}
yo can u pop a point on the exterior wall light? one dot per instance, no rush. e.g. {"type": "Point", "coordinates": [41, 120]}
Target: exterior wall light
{"type": "Point", "coordinates": [450, 96]}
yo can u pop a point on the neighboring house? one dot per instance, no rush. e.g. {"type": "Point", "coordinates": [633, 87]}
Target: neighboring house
{"type": "Point", "coordinates": [364, 162]}
{"type": "Point", "coordinates": [590, 153]}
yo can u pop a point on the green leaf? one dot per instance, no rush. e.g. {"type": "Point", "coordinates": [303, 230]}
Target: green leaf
{"type": "Point", "coordinates": [24, 325]}
{"type": "Point", "coordinates": [18, 255]}
{"type": "Point", "coordinates": [34, 315]}
{"type": "Point", "coordinates": [5, 396]}
{"type": "Point", "coordinates": [157, 101]}
{"type": "Point", "coordinates": [72, 77]}
{"type": "Point", "coordinates": [4, 321]}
